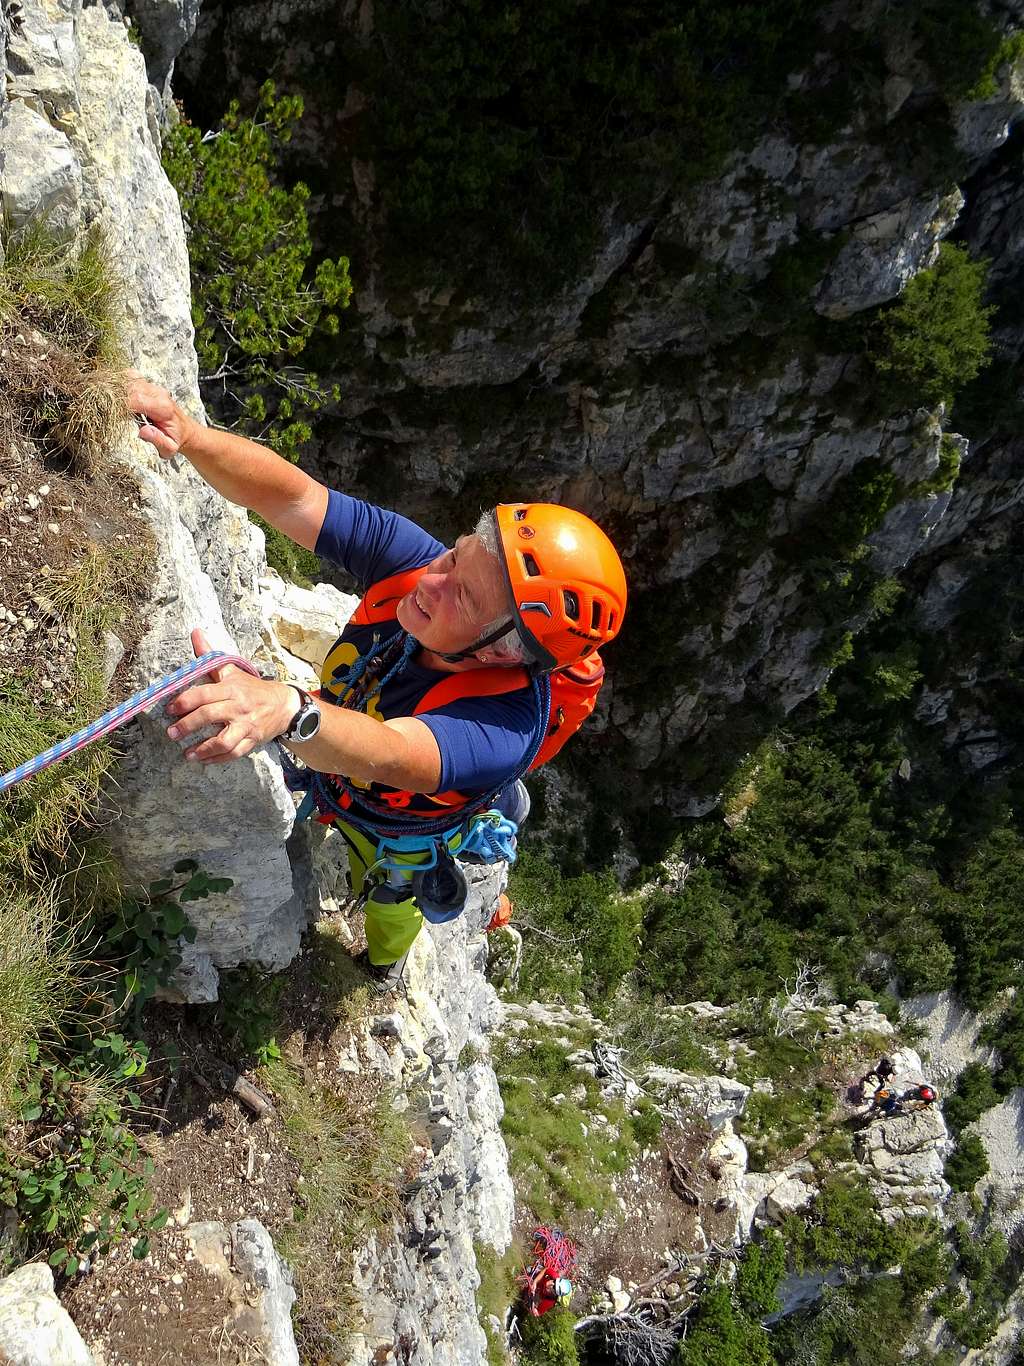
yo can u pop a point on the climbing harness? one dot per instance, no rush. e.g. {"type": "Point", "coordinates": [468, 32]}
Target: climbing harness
{"type": "Point", "coordinates": [118, 716]}
{"type": "Point", "coordinates": [479, 831]}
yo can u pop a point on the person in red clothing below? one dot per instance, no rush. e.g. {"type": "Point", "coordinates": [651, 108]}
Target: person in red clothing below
{"type": "Point", "coordinates": [552, 1290]}
{"type": "Point", "coordinates": [432, 700]}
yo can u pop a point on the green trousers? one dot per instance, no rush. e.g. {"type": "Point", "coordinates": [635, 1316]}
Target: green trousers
{"type": "Point", "coordinates": [393, 918]}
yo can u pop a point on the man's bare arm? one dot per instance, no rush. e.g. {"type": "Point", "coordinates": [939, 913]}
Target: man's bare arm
{"type": "Point", "coordinates": [241, 470]}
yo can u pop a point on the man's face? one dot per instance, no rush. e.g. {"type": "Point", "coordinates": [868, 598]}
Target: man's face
{"type": "Point", "coordinates": [460, 594]}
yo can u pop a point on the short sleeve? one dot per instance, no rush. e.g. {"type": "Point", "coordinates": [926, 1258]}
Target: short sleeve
{"type": "Point", "coordinates": [371, 543]}
{"type": "Point", "coordinates": [483, 740]}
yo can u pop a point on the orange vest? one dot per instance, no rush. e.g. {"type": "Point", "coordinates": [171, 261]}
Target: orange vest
{"type": "Point", "coordinates": [574, 689]}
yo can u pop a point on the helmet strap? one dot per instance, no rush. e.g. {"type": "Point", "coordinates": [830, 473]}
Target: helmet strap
{"type": "Point", "coordinates": [471, 650]}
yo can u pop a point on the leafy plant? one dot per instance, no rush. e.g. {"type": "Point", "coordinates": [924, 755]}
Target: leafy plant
{"type": "Point", "coordinates": [146, 932]}
{"type": "Point", "coordinates": [246, 1012]}
{"type": "Point", "coordinates": [256, 301]}
{"type": "Point", "coordinates": [78, 1177]}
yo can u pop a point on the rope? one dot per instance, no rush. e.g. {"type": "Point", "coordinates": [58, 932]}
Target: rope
{"type": "Point", "coordinates": [118, 716]}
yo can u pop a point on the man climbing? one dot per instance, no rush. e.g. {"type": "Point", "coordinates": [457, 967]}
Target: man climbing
{"type": "Point", "coordinates": [881, 1072]}
{"type": "Point", "coordinates": [920, 1097]}
{"type": "Point", "coordinates": [460, 669]}
{"type": "Point", "coordinates": [885, 1102]}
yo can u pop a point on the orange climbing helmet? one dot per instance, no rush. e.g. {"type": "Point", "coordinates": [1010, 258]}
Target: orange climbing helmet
{"type": "Point", "coordinates": [565, 578]}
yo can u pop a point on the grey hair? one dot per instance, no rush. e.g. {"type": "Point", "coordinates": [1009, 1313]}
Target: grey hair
{"type": "Point", "coordinates": [510, 648]}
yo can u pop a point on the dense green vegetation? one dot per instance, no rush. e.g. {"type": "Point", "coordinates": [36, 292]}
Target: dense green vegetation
{"type": "Point", "coordinates": [935, 337]}
{"type": "Point", "coordinates": [563, 1152]}
{"type": "Point", "coordinates": [514, 128]}
{"type": "Point", "coordinates": [257, 298]}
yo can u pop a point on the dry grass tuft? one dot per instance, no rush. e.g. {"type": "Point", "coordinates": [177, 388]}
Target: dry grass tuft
{"type": "Point", "coordinates": [60, 352]}
{"type": "Point", "coordinates": [349, 1147]}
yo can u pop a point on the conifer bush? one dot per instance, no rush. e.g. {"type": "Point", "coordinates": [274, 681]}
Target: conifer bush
{"type": "Point", "coordinates": [257, 298]}
{"type": "Point", "coordinates": [935, 338]}
{"type": "Point", "coordinates": [967, 1164]}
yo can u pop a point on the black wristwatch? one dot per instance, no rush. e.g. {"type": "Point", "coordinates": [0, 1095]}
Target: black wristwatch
{"type": "Point", "coordinates": [306, 721]}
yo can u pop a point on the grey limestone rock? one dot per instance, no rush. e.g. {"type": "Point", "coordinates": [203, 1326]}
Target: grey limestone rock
{"type": "Point", "coordinates": [417, 1284]}
{"type": "Point", "coordinates": [43, 56]}
{"type": "Point", "coordinates": [76, 66]}
{"type": "Point", "coordinates": [886, 250]}
{"type": "Point", "coordinates": [39, 173]}
{"type": "Point", "coordinates": [35, 1328]}
{"type": "Point", "coordinates": [165, 27]}
{"type": "Point", "coordinates": [256, 1281]}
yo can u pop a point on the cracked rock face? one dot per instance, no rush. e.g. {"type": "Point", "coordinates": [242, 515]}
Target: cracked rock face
{"type": "Point", "coordinates": [79, 136]}
{"type": "Point", "coordinates": [417, 1286]}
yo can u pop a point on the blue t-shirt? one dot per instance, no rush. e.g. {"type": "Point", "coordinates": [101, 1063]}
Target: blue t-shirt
{"type": "Point", "coordinates": [482, 740]}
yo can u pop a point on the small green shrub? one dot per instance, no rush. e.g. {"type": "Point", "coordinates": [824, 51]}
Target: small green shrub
{"type": "Point", "coordinates": [758, 1274]}
{"type": "Point", "coordinates": [647, 1124]}
{"type": "Point", "coordinates": [967, 1164]}
{"type": "Point", "coordinates": [256, 304]}
{"type": "Point", "coordinates": [974, 1093]}
{"type": "Point", "coordinates": [844, 1229]}
{"type": "Point", "coordinates": [145, 933]}
{"type": "Point", "coordinates": [935, 337]}
{"type": "Point", "coordinates": [550, 1340]}
{"type": "Point", "coordinates": [720, 1334]}
{"type": "Point", "coordinates": [974, 1312]}
{"type": "Point", "coordinates": [89, 1192]}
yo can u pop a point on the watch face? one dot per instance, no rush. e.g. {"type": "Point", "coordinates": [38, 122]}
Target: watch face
{"type": "Point", "coordinates": [308, 725]}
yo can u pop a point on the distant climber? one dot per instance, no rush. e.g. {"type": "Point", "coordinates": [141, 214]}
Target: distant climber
{"type": "Point", "coordinates": [547, 1280]}
{"type": "Point", "coordinates": [919, 1097]}
{"type": "Point", "coordinates": [880, 1073]}
{"type": "Point", "coordinates": [885, 1101]}
{"type": "Point", "coordinates": [461, 669]}
{"type": "Point", "coordinates": [502, 916]}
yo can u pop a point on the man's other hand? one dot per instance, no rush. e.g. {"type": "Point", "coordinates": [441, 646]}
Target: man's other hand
{"type": "Point", "coordinates": [250, 711]}
{"type": "Point", "coordinates": [163, 424]}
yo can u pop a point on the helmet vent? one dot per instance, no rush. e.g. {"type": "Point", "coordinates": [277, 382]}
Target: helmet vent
{"type": "Point", "coordinates": [531, 566]}
{"type": "Point", "coordinates": [519, 515]}
{"type": "Point", "coordinates": [611, 621]}
{"type": "Point", "coordinates": [571, 603]}
{"type": "Point", "coordinates": [595, 615]}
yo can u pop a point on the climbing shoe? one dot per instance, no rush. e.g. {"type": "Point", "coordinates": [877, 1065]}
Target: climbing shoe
{"type": "Point", "coordinates": [384, 977]}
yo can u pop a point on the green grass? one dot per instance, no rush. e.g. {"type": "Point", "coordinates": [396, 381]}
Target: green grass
{"type": "Point", "coordinates": [349, 1148]}
{"type": "Point", "coordinates": [564, 1154]}
{"type": "Point", "coordinates": [497, 1290]}
{"type": "Point", "coordinates": [40, 978]}
{"type": "Point", "coordinates": [39, 815]}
